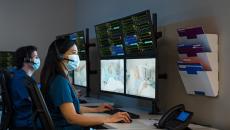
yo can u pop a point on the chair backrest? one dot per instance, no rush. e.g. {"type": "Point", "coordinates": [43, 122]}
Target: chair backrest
{"type": "Point", "coordinates": [40, 109]}
{"type": "Point", "coordinates": [7, 110]}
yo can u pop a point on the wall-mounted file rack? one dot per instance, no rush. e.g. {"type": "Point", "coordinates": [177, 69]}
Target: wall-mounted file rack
{"type": "Point", "coordinates": [198, 61]}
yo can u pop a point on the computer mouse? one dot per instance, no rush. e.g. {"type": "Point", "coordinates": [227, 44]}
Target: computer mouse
{"type": "Point", "coordinates": [121, 121]}
{"type": "Point", "coordinates": [82, 101]}
{"type": "Point", "coordinates": [124, 121]}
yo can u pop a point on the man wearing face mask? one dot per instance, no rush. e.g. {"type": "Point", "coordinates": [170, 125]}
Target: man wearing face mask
{"type": "Point", "coordinates": [27, 62]}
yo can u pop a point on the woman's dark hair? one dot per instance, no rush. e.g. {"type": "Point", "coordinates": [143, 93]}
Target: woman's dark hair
{"type": "Point", "coordinates": [52, 66]}
{"type": "Point", "coordinates": [23, 54]}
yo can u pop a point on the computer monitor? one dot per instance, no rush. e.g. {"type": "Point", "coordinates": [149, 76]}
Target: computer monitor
{"type": "Point", "coordinates": [109, 39]}
{"type": "Point", "coordinates": [81, 44]}
{"type": "Point", "coordinates": [80, 74]}
{"type": "Point", "coordinates": [7, 59]}
{"type": "Point", "coordinates": [141, 77]}
{"type": "Point", "coordinates": [112, 75]}
{"type": "Point", "coordinates": [78, 38]}
{"type": "Point", "coordinates": [72, 36]}
{"type": "Point", "coordinates": [129, 36]}
{"type": "Point", "coordinates": [138, 34]}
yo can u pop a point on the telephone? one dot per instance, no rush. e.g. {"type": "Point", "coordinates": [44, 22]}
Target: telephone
{"type": "Point", "coordinates": [176, 118]}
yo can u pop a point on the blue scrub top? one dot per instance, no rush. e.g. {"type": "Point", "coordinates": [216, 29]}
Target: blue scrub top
{"type": "Point", "coordinates": [60, 91]}
{"type": "Point", "coordinates": [21, 101]}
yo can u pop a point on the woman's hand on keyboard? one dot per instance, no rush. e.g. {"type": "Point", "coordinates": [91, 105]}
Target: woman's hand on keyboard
{"type": "Point", "coordinates": [119, 116]}
{"type": "Point", "coordinates": [104, 107]}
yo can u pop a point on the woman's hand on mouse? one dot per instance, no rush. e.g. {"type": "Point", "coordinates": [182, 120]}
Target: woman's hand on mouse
{"type": "Point", "coordinates": [119, 116]}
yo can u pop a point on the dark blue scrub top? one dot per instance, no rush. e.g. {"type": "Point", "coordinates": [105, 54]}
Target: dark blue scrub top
{"type": "Point", "coordinates": [60, 91]}
{"type": "Point", "coordinates": [21, 101]}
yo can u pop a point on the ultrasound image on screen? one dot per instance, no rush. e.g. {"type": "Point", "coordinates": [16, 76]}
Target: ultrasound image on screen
{"type": "Point", "coordinates": [112, 75]}
{"type": "Point", "coordinates": [80, 75]}
{"type": "Point", "coordinates": [140, 77]}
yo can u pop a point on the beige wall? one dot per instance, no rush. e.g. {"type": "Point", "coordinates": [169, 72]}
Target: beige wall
{"type": "Point", "coordinates": [34, 22]}
{"type": "Point", "coordinates": [211, 14]}
{"type": "Point", "coordinates": [207, 110]}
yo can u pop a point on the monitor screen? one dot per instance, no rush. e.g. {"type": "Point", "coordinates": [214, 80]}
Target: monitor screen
{"type": "Point", "coordinates": [140, 77]}
{"type": "Point", "coordinates": [109, 38]}
{"type": "Point", "coordinates": [78, 38]}
{"type": "Point", "coordinates": [7, 60]}
{"type": "Point", "coordinates": [81, 44]}
{"type": "Point", "coordinates": [138, 33]}
{"type": "Point", "coordinates": [73, 37]}
{"type": "Point", "coordinates": [80, 78]}
{"type": "Point", "coordinates": [112, 75]}
{"type": "Point", "coordinates": [131, 36]}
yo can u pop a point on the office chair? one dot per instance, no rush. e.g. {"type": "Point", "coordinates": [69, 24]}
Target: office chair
{"type": "Point", "coordinates": [40, 110]}
{"type": "Point", "coordinates": [7, 105]}
{"type": "Point", "coordinates": [7, 110]}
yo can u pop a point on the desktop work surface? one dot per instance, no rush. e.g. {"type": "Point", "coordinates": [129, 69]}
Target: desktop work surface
{"type": "Point", "coordinates": [145, 122]}
{"type": "Point", "coordinates": [141, 124]}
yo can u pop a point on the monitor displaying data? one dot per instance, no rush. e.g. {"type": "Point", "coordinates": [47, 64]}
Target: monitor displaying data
{"type": "Point", "coordinates": [128, 36]}
{"type": "Point", "coordinates": [109, 38]}
{"type": "Point", "coordinates": [80, 78]}
{"type": "Point", "coordinates": [81, 44]}
{"type": "Point", "coordinates": [138, 33]}
{"type": "Point", "coordinates": [112, 75]}
{"type": "Point", "coordinates": [141, 77]}
{"type": "Point", "coordinates": [7, 59]}
{"type": "Point", "coordinates": [79, 38]}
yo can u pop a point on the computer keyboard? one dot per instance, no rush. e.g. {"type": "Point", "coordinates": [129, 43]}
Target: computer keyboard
{"type": "Point", "coordinates": [82, 101]}
{"type": "Point", "coordinates": [113, 111]}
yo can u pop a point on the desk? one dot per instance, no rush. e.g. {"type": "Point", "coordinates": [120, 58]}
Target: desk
{"type": "Point", "coordinates": [145, 122]}
{"type": "Point", "coordinates": [94, 102]}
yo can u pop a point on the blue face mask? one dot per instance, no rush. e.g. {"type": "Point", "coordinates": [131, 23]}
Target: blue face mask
{"type": "Point", "coordinates": [36, 63]}
{"type": "Point", "coordinates": [73, 62]}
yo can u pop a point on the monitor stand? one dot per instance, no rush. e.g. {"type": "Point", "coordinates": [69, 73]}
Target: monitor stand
{"type": "Point", "coordinates": [155, 109]}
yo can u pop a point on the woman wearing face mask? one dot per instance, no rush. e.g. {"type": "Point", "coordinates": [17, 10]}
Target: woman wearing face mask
{"type": "Point", "coordinates": [27, 62]}
{"type": "Point", "coordinates": [61, 100]}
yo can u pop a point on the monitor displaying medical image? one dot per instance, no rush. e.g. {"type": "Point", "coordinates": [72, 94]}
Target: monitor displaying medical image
{"type": "Point", "coordinates": [80, 78]}
{"type": "Point", "coordinates": [141, 77]}
{"type": "Point", "coordinates": [112, 75]}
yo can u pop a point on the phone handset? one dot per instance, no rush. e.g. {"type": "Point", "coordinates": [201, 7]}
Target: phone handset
{"type": "Point", "coordinates": [176, 118]}
{"type": "Point", "coordinates": [168, 115]}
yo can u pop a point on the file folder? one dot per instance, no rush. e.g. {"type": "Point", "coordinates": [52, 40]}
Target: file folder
{"type": "Point", "coordinates": [190, 50]}
{"type": "Point", "coordinates": [189, 68]}
{"type": "Point", "coordinates": [190, 33]}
